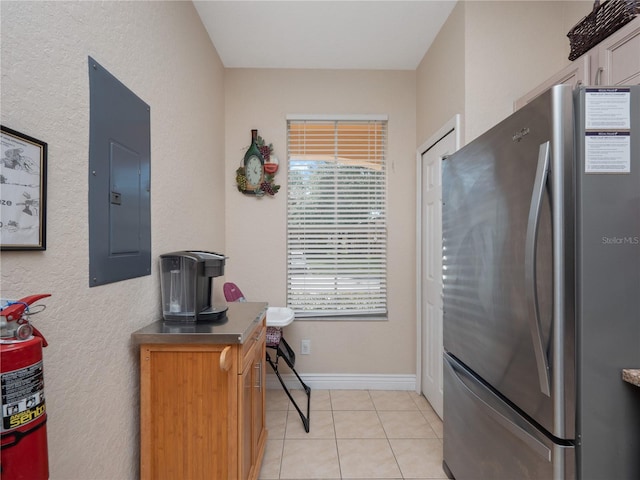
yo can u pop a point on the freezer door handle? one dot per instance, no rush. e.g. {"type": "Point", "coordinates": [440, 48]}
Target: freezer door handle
{"type": "Point", "coordinates": [539, 187]}
{"type": "Point", "coordinates": [487, 405]}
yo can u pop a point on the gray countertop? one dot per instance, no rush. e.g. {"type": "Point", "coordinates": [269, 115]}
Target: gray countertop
{"type": "Point", "coordinates": [241, 319]}
{"type": "Point", "coordinates": [632, 376]}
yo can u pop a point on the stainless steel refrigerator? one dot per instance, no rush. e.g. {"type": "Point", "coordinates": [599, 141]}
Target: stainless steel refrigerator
{"type": "Point", "coordinates": [541, 292]}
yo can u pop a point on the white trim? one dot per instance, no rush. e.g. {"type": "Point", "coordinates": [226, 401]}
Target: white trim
{"type": "Point", "coordinates": [328, 118]}
{"type": "Point", "coordinates": [322, 381]}
{"type": "Point", "coordinates": [452, 125]}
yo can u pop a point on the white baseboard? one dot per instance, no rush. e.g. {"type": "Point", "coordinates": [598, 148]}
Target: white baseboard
{"type": "Point", "coordinates": [322, 381]}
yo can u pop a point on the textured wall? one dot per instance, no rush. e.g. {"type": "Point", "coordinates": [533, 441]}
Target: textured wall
{"type": "Point", "coordinates": [256, 228]}
{"type": "Point", "coordinates": [510, 48]}
{"type": "Point", "coordinates": [160, 51]}
{"type": "Point", "coordinates": [488, 54]}
{"type": "Point", "coordinates": [440, 77]}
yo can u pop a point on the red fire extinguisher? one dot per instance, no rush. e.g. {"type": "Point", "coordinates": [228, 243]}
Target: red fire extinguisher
{"type": "Point", "coordinates": [23, 452]}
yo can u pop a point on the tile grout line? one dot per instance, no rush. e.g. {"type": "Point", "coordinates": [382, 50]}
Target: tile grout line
{"type": "Point", "coordinates": [370, 397]}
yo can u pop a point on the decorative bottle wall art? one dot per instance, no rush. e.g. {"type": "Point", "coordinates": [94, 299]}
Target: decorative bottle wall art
{"type": "Point", "coordinates": [259, 166]}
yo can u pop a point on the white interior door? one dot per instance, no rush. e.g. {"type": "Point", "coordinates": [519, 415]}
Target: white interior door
{"type": "Point", "coordinates": [431, 268]}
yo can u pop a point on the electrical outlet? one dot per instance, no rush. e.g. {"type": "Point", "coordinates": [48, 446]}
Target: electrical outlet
{"type": "Point", "coordinates": [305, 347]}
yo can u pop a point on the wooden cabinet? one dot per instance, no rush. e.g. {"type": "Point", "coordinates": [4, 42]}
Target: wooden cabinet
{"type": "Point", "coordinates": [614, 61]}
{"type": "Point", "coordinates": [202, 409]}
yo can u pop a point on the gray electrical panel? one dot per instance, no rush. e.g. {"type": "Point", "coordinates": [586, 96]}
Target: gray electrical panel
{"type": "Point", "coordinates": [119, 181]}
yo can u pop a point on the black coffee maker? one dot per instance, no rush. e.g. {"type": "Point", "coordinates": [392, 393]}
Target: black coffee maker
{"type": "Point", "coordinates": [186, 280]}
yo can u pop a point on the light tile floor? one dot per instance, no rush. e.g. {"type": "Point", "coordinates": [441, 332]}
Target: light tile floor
{"type": "Point", "coordinates": [354, 434]}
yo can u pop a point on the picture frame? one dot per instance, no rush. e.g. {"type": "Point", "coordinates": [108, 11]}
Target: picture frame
{"type": "Point", "coordinates": [23, 191]}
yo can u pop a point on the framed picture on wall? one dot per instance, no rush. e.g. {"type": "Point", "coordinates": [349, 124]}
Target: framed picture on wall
{"type": "Point", "coordinates": [23, 188]}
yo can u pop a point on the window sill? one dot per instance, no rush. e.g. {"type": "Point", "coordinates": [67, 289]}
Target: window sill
{"type": "Point", "coordinates": [344, 318]}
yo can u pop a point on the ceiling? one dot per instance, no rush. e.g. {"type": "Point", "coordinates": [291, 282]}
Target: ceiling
{"type": "Point", "coordinates": [328, 34]}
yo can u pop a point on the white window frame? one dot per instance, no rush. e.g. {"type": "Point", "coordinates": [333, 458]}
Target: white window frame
{"type": "Point", "coordinates": [353, 284]}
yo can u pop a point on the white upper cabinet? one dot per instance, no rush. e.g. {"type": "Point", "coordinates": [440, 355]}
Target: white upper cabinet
{"type": "Point", "coordinates": [575, 74]}
{"type": "Point", "coordinates": [614, 61]}
{"type": "Point", "coordinates": [618, 57]}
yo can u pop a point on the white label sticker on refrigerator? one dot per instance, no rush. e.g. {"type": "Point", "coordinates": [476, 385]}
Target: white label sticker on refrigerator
{"type": "Point", "coordinates": [607, 152]}
{"type": "Point", "coordinates": [607, 108]}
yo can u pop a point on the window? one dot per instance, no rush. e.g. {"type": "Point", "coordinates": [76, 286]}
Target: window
{"type": "Point", "coordinates": [336, 223]}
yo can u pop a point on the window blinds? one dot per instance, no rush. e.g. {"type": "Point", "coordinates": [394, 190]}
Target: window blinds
{"type": "Point", "coordinates": [336, 228]}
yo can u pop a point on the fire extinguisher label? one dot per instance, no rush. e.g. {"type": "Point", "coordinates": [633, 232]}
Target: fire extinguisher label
{"type": "Point", "coordinates": [22, 396]}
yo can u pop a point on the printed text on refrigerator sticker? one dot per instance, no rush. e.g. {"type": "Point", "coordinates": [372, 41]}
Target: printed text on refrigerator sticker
{"type": "Point", "coordinates": [608, 135]}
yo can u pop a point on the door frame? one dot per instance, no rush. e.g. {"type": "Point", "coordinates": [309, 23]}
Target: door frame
{"type": "Point", "coordinates": [453, 125]}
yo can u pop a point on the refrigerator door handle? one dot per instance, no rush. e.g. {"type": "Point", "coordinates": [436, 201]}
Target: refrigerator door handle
{"type": "Point", "coordinates": [533, 443]}
{"type": "Point", "coordinates": [539, 186]}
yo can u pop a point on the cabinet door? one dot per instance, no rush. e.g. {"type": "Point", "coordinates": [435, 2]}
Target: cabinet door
{"type": "Point", "coordinates": [574, 74]}
{"type": "Point", "coordinates": [252, 409]}
{"type": "Point", "coordinates": [258, 403]}
{"type": "Point", "coordinates": [619, 57]}
{"type": "Point", "coordinates": [245, 417]}
{"type": "Point", "coordinates": [186, 402]}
